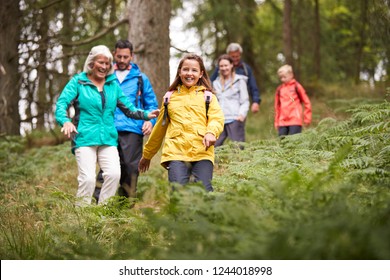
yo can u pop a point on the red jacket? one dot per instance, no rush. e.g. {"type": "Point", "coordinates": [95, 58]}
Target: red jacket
{"type": "Point", "coordinates": [289, 98]}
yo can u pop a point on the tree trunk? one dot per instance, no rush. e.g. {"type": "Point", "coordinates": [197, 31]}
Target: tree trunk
{"type": "Point", "coordinates": [40, 98]}
{"type": "Point", "coordinates": [298, 42]}
{"type": "Point", "coordinates": [317, 42]}
{"type": "Point", "coordinates": [149, 34]}
{"type": "Point", "coordinates": [248, 44]}
{"type": "Point", "coordinates": [9, 75]}
{"type": "Point", "coordinates": [287, 32]}
{"type": "Point", "coordinates": [362, 39]}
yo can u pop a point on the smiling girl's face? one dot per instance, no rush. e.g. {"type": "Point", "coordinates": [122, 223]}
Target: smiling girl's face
{"type": "Point", "coordinates": [190, 72]}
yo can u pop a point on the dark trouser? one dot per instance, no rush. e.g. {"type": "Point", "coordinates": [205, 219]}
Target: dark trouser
{"type": "Point", "coordinates": [130, 152]}
{"type": "Point", "coordinates": [289, 130]}
{"type": "Point", "coordinates": [180, 172]}
{"type": "Point", "coordinates": [235, 131]}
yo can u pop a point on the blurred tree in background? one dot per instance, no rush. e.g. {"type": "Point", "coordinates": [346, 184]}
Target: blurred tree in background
{"type": "Point", "coordinates": [44, 42]}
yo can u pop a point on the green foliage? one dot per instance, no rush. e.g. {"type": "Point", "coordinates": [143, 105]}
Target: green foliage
{"type": "Point", "coordinates": [322, 194]}
{"type": "Point", "coordinates": [354, 44]}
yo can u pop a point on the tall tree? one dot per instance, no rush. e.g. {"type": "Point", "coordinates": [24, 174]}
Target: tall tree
{"type": "Point", "coordinates": [362, 38]}
{"type": "Point", "coordinates": [9, 76]}
{"type": "Point", "coordinates": [317, 41]}
{"type": "Point", "coordinates": [287, 32]}
{"type": "Point", "coordinates": [149, 33]}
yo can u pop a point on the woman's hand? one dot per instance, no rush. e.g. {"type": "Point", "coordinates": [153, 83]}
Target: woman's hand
{"type": "Point", "coordinates": [143, 165]}
{"type": "Point", "coordinates": [68, 128]}
{"type": "Point", "coordinates": [240, 118]}
{"type": "Point", "coordinates": [209, 140]}
{"type": "Point", "coordinates": [153, 114]}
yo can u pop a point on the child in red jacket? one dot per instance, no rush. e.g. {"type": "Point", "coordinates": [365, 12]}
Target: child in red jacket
{"type": "Point", "coordinates": [289, 97]}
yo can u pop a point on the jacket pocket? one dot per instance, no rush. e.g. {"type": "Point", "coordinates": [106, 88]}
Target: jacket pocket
{"type": "Point", "coordinates": [201, 132]}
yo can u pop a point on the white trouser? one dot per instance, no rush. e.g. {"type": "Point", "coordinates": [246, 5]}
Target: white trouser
{"type": "Point", "coordinates": [108, 159]}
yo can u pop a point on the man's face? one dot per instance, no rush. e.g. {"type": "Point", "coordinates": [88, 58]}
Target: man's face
{"type": "Point", "coordinates": [236, 56]}
{"type": "Point", "coordinates": [122, 58]}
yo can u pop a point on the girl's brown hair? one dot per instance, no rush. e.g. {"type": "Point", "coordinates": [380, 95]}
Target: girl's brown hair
{"type": "Point", "coordinates": [203, 81]}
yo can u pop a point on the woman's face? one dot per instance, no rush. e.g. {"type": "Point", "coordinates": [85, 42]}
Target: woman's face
{"type": "Point", "coordinates": [190, 72]}
{"type": "Point", "coordinates": [101, 67]}
{"type": "Point", "coordinates": [225, 68]}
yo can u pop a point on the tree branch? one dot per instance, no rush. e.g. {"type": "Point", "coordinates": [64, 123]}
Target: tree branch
{"type": "Point", "coordinates": [97, 35]}
{"type": "Point", "coordinates": [48, 5]}
{"type": "Point", "coordinates": [179, 50]}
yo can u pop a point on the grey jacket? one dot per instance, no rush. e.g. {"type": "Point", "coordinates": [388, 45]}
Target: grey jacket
{"type": "Point", "coordinates": [233, 98]}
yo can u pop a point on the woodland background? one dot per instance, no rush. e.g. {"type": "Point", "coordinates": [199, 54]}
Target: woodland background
{"type": "Point", "coordinates": [322, 194]}
{"type": "Point", "coordinates": [44, 42]}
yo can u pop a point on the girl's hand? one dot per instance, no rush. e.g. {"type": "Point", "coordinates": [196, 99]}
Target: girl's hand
{"type": "Point", "coordinates": [143, 165]}
{"type": "Point", "coordinates": [209, 140]}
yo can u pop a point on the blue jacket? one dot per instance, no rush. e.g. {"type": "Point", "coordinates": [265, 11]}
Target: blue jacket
{"type": "Point", "coordinates": [246, 70]}
{"type": "Point", "coordinates": [94, 112]}
{"type": "Point", "coordinates": [147, 101]}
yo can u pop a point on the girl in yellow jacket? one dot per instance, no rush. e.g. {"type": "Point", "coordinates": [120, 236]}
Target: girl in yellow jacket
{"type": "Point", "coordinates": [186, 127]}
{"type": "Point", "coordinates": [289, 97]}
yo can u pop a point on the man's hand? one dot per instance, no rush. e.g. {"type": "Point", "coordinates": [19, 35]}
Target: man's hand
{"type": "Point", "coordinates": [147, 128]}
{"type": "Point", "coordinates": [255, 107]}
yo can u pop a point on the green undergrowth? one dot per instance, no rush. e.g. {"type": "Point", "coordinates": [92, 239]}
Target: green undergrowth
{"type": "Point", "coordinates": [322, 194]}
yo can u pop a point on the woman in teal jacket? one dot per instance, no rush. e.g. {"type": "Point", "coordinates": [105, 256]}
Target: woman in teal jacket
{"type": "Point", "coordinates": [95, 95]}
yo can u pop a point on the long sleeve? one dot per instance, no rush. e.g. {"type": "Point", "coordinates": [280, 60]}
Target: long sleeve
{"type": "Point", "coordinates": [68, 94]}
{"type": "Point", "coordinates": [307, 112]}
{"type": "Point", "coordinates": [156, 138]}
{"type": "Point", "coordinates": [244, 99]}
{"type": "Point", "coordinates": [149, 97]}
{"type": "Point", "coordinates": [277, 108]}
{"type": "Point", "coordinates": [129, 109]}
{"type": "Point", "coordinates": [254, 90]}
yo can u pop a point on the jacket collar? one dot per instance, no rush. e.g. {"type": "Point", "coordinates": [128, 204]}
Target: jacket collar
{"type": "Point", "coordinates": [84, 78]}
{"type": "Point", "coordinates": [183, 88]}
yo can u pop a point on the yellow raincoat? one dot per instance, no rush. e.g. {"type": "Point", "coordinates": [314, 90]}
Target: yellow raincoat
{"type": "Point", "coordinates": [185, 127]}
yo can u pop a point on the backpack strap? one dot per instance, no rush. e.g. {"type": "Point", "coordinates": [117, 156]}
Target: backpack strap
{"type": "Point", "coordinates": [296, 90]}
{"type": "Point", "coordinates": [208, 95]}
{"type": "Point", "coordinates": [166, 98]}
{"type": "Point", "coordinates": [245, 69]}
{"type": "Point", "coordinates": [140, 90]}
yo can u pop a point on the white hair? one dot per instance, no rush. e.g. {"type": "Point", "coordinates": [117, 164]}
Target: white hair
{"type": "Point", "coordinates": [285, 68]}
{"type": "Point", "coordinates": [95, 51]}
{"type": "Point", "coordinates": [233, 47]}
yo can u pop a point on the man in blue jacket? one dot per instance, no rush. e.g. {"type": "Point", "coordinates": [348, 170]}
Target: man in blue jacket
{"type": "Point", "coordinates": [234, 50]}
{"type": "Point", "coordinates": [138, 89]}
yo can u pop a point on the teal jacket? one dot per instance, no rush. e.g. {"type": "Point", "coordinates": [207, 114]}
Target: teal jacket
{"type": "Point", "coordinates": [94, 110]}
